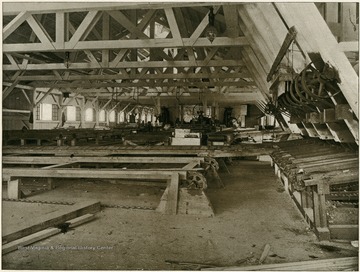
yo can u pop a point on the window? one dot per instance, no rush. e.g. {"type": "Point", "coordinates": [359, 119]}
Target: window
{"type": "Point", "coordinates": [112, 116]}
{"type": "Point", "coordinates": [102, 116]}
{"type": "Point", "coordinates": [78, 114]}
{"type": "Point", "coordinates": [38, 112]}
{"type": "Point", "coordinates": [55, 112]}
{"type": "Point", "coordinates": [149, 117]}
{"type": "Point", "coordinates": [89, 115]}
{"type": "Point", "coordinates": [121, 117]}
{"type": "Point", "coordinates": [70, 113]}
{"type": "Point", "coordinates": [44, 112]}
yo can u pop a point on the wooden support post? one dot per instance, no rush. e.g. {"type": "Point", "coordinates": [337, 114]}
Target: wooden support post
{"type": "Point", "coordinates": [304, 199]}
{"type": "Point", "coordinates": [38, 141]}
{"type": "Point", "coordinates": [73, 142]}
{"type": "Point", "coordinates": [59, 142]}
{"type": "Point", "coordinates": [50, 182]}
{"type": "Point", "coordinates": [22, 141]}
{"type": "Point", "coordinates": [316, 209]}
{"type": "Point", "coordinates": [319, 209]}
{"type": "Point", "coordinates": [13, 188]}
{"type": "Point", "coordinates": [276, 169]}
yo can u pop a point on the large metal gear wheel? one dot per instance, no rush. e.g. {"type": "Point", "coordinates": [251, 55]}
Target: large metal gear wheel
{"type": "Point", "coordinates": [195, 180]}
{"type": "Point", "coordinates": [212, 162]}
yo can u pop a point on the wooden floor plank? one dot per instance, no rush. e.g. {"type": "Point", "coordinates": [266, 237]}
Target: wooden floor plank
{"type": "Point", "coordinates": [173, 193]}
{"type": "Point", "coordinates": [52, 219]}
{"type": "Point", "coordinates": [43, 234]}
{"type": "Point", "coordinates": [350, 262]}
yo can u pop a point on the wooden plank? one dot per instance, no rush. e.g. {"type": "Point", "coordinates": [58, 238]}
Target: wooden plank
{"type": "Point", "coordinates": [130, 44]}
{"type": "Point", "coordinates": [323, 131]}
{"type": "Point", "coordinates": [51, 7]}
{"type": "Point", "coordinates": [43, 97]}
{"type": "Point", "coordinates": [83, 27]}
{"type": "Point", "coordinates": [13, 188]}
{"type": "Point", "coordinates": [174, 28]}
{"type": "Point", "coordinates": [259, 45]}
{"type": "Point", "coordinates": [161, 174]}
{"type": "Point", "coordinates": [52, 219]}
{"type": "Point", "coordinates": [39, 30]}
{"type": "Point", "coordinates": [352, 46]}
{"type": "Point", "coordinates": [43, 234]}
{"type": "Point", "coordinates": [191, 165]}
{"type": "Point", "coordinates": [251, 150]}
{"type": "Point", "coordinates": [14, 23]}
{"type": "Point", "coordinates": [60, 29]}
{"type": "Point", "coordinates": [144, 76]}
{"type": "Point", "coordinates": [290, 37]}
{"type": "Point", "coordinates": [327, 264]}
{"type": "Point", "coordinates": [127, 64]}
{"type": "Point", "coordinates": [66, 160]}
{"type": "Point", "coordinates": [172, 196]}
{"type": "Point", "coordinates": [56, 165]}
{"type": "Point", "coordinates": [344, 232]}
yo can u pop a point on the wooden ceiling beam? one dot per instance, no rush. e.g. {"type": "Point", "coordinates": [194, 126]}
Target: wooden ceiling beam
{"type": "Point", "coordinates": [39, 31]}
{"type": "Point", "coordinates": [14, 24]}
{"type": "Point", "coordinates": [141, 83]}
{"type": "Point", "coordinates": [174, 28]}
{"type": "Point", "coordinates": [14, 8]}
{"type": "Point", "coordinates": [142, 75]}
{"type": "Point", "coordinates": [126, 64]}
{"type": "Point", "coordinates": [84, 28]}
{"type": "Point", "coordinates": [126, 44]}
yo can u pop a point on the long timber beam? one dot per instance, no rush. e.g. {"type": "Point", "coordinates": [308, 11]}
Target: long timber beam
{"type": "Point", "coordinates": [124, 44]}
{"type": "Point", "coordinates": [58, 160]}
{"type": "Point", "coordinates": [233, 151]}
{"type": "Point", "coordinates": [125, 64]}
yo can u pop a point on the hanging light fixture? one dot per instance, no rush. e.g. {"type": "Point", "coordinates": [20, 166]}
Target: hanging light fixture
{"type": "Point", "coordinates": [211, 31]}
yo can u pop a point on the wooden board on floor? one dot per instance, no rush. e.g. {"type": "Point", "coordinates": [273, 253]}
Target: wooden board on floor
{"type": "Point", "coordinates": [173, 193]}
{"type": "Point", "coordinates": [194, 202]}
{"type": "Point", "coordinates": [317, 265]}
{"type": "Point", "coordinates": [43, 234]}
{"type": "Point", "coordinates": [52, 219]}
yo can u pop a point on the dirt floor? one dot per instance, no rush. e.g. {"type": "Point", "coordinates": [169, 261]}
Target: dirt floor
{"type": "Point", "coordinates": [251, 211]}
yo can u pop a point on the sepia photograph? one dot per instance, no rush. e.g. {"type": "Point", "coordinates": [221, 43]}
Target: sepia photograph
{"type": "Point", "coordinates": [180, 135]}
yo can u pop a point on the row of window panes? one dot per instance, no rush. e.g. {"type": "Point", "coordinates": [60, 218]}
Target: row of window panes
{"type": "Point", "coordinates": [50, 112]}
